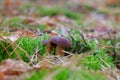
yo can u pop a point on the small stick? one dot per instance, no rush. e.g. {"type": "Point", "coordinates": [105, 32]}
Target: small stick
{"type": "Point", "coordinates": [5, 48]}
{"type": "Point", "coordinates": [70, 35]}
{"type": "Point", "coordinates": [81, 34]}
{"type": "Point", "coordinates": [113, 45]}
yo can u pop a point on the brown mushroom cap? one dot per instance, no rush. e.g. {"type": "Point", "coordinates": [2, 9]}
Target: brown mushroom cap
{"type": "Point", "coordinates": [45, 42]}
{"type": "Point", "coordinates": [62, 41]}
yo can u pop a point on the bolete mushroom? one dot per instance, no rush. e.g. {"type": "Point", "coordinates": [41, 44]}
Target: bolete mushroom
{"type": "Point", "coordinates": [60, 43]}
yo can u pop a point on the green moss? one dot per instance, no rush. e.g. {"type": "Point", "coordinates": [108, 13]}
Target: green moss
{"type": "Point", "coordinates": [39, 75]}
{"type": "Point", "coordinates": [71, 14]}
{"type": "Point", "coordinates": [79, 45]}
{"type": "Point", "coordinates": [68, 74]}
{"type": "Point", "coordinates": [26, 45]}
{"type": "Point", "coordinates": [89, 8]}
{"type": "Point", "coordinates": [53, 11]}
{"type": "Point", "coordinates": [5, 50]}
{"type": "Point", "coordinates": [30, 44]}
{"type": "Point", "coordinates": [63, 75]}
{"type": "Point", "coordinates": [13, 22]}
{"type": "Point", "coordinates": [87, 75]}
{"type": "Point", "coordinates": [25, 7]}
{"type": "Point", "coordinates": [115, 5]}
{"type": "Point", "coordinates": [98, 59]}
{"type": "Point", "coordinates": [47, 11]}
{"type": "Point", "coordinates": [42, 27]}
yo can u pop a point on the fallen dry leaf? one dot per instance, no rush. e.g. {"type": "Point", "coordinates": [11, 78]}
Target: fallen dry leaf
{"type": "Point", "coordinates": [24, 33]}
{"type": "Point", "coordinates": [13, 38]}
{"type": "Point", "coordinates": [13, 67]}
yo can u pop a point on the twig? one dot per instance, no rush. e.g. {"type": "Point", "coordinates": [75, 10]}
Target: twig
{"type": "Point", "coordinates": [70, 35]}
{"type": "Point", "coordinates": [82, 36]}
{"type": "Point", "coordinates": [17, 46]}
{"type": "Point", "coordinates": [104, 62]}
{"type": "Point", "coordinates": [70, 54]}
{"type": "Point", "coordinates": [5, 48]}
{"type": "Point", "coordinates": [37, 51]}
{"type": "Point", "coordinates": [113, 45]}
{"type": "Point", "coordinates": [13, 46]}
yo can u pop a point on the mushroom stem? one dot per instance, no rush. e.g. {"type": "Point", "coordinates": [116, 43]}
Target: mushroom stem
{"type": "Point", "coordinates": [59, 50]}
{"type": "Point", "coordinates": [49, 48]}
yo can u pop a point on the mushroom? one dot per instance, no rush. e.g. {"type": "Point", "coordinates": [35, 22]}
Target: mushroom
{"type": "Point", "coordinates": [60, 43]}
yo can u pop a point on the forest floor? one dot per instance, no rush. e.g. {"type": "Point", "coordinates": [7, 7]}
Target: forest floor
{"type": "Point", "coordinates": [59, 40]}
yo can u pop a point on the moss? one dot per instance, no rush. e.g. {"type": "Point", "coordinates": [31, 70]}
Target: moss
{"type": "Point", "coordinates": [42, 27]}
{"type": "Point", "coordinates": [13, 22]}
{"type": "Point", "coordinates": [114, 5]}
{"type": "Point", "coordinates": [52, 11]}
{"type": "Point", "coordinates": [38, 75]}
{"type": "Point", "coordinates": [67, 74]}
{"type": "Point", "coordinates": [47, 11]}
{"type": "Point", "coordinates": [63, 75]}
{"type": "Point", "coordinates": [71, 14]}
{"type": "Point", "coordinates": [5, 50]}
{"type": "Point", "coordinates": [79, 45]}
{"type": "Point", "coordinates": [98, 59]}
{"type": "Point", "coordinates": [29, 45]}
